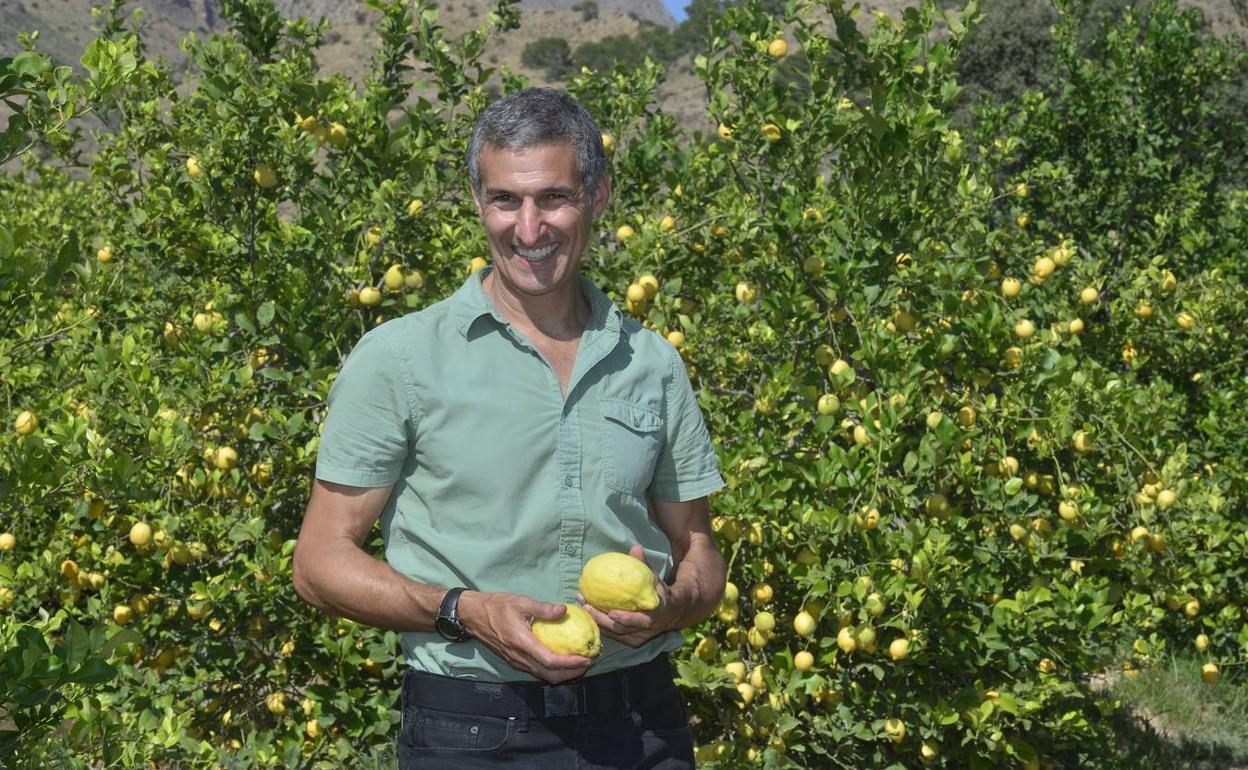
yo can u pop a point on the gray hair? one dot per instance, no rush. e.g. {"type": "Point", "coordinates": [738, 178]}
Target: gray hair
{"type": "Point", "coordinates": [535, 117]}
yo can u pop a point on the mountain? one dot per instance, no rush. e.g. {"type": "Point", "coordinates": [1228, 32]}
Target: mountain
{"type": "Point", "coordinates": [66, 27]}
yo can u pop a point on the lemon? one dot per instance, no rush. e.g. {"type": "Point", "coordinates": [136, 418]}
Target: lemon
{"type": "Point", "coordinates": [265, 176]}
{"type": "Point", "coordinates": [1209, 673]}
{"type": "Point", "coordinates": [617, 581]}
{"type": "Point", "coordinates": [395, 279]}
{"type": "Point", "coordinates": [575, 633]}
{"type": "Point", "coordinates": [141, 533]}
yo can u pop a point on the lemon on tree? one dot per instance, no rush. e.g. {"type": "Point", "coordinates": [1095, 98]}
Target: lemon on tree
{"type": "Point", "coordinates": [745, 293]}
{"type": "Point", "coordinates": [265, 176]}
{"type": "Point", "coordinates": [337, 135]}
{"type": "Point", "coordinates": [394, 279]}
{"type": "Point", "coordinates": [26, 423]}
{"type": "Point", "coordinates": [895, 729]}
{"type": "Point", "coordinates": [1209, 673]}
{"type": "Point", "coordinates": [141, 533]}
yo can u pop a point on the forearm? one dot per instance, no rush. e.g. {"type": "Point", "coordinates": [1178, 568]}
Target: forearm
{"type": "Point", "coordinates": [341, 579]}
{"type": "Point", "coordinates": [698, 585]}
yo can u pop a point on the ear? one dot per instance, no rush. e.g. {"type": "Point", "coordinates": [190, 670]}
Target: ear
{"type": "Point", "coordinates": [476, 199]}
{"type": "Point", "coordinates": [603, 196]}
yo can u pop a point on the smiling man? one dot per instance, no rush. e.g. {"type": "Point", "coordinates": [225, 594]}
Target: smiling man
{"type": "Point", "coordinates": [503, 437]}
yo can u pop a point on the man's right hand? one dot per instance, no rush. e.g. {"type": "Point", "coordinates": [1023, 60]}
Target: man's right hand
{"type": "Point", "coordinates": [501, 621]}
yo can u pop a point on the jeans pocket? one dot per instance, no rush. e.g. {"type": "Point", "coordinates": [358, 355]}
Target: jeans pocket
{"type": "Point", "coordinates": [436, 730]}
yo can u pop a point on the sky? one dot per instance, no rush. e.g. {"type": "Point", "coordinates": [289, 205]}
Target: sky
{"type": "Point", "coordinates": [677, 7]}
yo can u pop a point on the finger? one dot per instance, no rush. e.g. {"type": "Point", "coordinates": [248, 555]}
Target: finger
{"type": "Point", "coordinates": [637, 552]}
{"type": "Point", "coordinates": [627, 619]}
{"type": "Point", "coordinates": [600, 617]}
{"type": "Point", "coordinates": [544, 610]}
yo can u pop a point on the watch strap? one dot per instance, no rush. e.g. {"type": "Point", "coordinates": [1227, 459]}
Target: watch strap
{"type": "Point", "coordinates": [447, 621]}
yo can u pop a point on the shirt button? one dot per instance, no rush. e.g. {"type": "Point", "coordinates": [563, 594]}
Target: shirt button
{"type": "Point", "coordinates": [570, 549]}
{"type": "Point", "coordinates": [636, 421]}
{"type": "Point", "coordinates": [567, 480]}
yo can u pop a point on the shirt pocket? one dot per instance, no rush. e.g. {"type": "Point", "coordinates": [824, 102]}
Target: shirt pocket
{"type": "Point", "coordinates": [631, 443]}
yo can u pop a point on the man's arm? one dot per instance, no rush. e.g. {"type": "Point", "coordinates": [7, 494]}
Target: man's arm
{"type": "Point", "coordinates": [697, 586]}
{"type": "Point", "coordinates": [333, 573]}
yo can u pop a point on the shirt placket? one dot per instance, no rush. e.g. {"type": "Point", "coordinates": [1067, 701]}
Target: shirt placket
{"type": "Point", "coordinates": [572, 521]}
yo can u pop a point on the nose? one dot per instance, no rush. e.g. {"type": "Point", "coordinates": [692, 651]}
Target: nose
{"type": "Point", "coordinates": [529, 223]}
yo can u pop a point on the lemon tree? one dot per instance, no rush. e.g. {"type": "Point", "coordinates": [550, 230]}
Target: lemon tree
{"type": "Point", "coordinates": [975, 387]}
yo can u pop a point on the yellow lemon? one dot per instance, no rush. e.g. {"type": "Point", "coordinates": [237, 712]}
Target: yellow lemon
{"type": "Point", "coordinates": [141, 533]}
{"type": "Point", "coordinates": [265, 176]}
{"type": "Point", "coordinates": [617, 581]}
{"type": "Point", "coordinates": [575, 633]}
{"type": "Point", "coordinates": [1209, 673]}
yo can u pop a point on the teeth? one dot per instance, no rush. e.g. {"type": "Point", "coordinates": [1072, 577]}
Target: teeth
{"type": "Point", "coordinates": [536, 255]}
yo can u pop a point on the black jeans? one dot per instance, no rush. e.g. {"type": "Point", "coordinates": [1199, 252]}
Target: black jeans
{"type": "Point", "coordinates": [627, 719]}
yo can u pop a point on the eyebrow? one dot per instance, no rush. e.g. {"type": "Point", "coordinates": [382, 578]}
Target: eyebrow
{"type": "Point", "coordinates": [571, 192]}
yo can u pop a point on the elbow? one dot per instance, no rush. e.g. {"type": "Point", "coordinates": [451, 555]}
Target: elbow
{"type": "Point", "coordinates": [304, 581]}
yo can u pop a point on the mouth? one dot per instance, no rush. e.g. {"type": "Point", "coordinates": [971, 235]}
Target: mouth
{"type": "Point", "coordinates": [534, 256]}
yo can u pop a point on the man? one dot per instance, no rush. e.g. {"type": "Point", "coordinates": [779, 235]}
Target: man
{"type": "Point", "coordinates": [504, 437]}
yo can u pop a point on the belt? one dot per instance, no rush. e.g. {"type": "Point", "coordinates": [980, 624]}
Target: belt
{"type": "Point", "coordinates": [601, 694]}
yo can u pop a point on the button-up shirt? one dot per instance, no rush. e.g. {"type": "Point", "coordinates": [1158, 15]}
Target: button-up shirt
{"type": "Point", "coordinates": [501, 482]}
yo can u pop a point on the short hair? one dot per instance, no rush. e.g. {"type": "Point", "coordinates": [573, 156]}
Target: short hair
{"type": "Point", "coordinates": [535, 117]}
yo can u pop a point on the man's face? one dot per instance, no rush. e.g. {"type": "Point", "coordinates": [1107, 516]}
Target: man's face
{"type": "Point", "coordinates": [537, 214]}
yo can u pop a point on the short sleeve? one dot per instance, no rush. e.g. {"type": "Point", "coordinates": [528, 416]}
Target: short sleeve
{"type": "Point", "coordinates": [371, 419]}
{"type": "Point", "coordinates": [687, 468]}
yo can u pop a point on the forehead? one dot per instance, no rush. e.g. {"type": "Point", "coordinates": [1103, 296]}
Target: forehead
{"type": "Point", "coordinates": [540, 166]}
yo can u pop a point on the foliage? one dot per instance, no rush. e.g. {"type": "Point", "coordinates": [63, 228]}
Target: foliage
{"type": "Point", "coordinates": [949, 505]}
{"type": "Point", "coordinates": [551, 54]}
{"type": "Point", "coordinates": [41, 686]}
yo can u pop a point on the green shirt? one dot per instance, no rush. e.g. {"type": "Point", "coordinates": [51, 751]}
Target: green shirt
{"type": "Point", "coordinates": [502, 484]}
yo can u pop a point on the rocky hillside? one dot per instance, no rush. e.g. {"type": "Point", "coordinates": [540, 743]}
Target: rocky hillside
{"type": "Point", "coordinates": [65, 27]}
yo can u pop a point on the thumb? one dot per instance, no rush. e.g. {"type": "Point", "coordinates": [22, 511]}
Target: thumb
{"type": "Point", "coordinates": [637, 552]}
{"type": "Point", "coordinates": [546, 610]}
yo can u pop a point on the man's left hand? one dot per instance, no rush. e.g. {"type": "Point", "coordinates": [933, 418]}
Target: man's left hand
{"type": "Point", "coordinates": [635, 628]}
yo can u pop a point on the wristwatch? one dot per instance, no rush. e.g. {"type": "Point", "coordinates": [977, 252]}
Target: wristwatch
{"type": "Point", "coordinates": [447, 621]}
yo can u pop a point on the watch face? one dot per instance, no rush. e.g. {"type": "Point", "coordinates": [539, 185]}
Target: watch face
{"type": "Point", "coordinates": [450, 629]}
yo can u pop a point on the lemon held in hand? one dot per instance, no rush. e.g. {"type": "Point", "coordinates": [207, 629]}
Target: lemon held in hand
{"type": "Point", "coordinates": [617, 581]}
{"type": "Point", "coordinates": [575, 633]}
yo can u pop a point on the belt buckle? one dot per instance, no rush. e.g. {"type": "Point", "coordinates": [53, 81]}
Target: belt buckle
{"type": "Point", "coordinates": [563, 700]}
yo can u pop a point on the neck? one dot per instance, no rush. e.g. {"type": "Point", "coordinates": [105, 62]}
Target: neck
{"type": "Point", "coordinates": [560, 314]}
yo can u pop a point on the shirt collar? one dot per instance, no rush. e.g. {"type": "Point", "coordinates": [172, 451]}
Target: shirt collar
{"type": "Point", "coordinates": [470, 303]}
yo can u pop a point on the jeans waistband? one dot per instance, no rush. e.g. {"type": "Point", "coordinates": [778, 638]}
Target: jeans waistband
{"type": "Point", "coordinates": [607, 693]}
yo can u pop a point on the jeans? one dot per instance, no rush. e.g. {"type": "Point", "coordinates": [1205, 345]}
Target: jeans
{"type": "Point", "coordinates": [649, 729]}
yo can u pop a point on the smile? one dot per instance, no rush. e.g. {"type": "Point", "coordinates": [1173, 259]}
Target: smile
{"type": "Point", "coordinates": [536, 255]}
